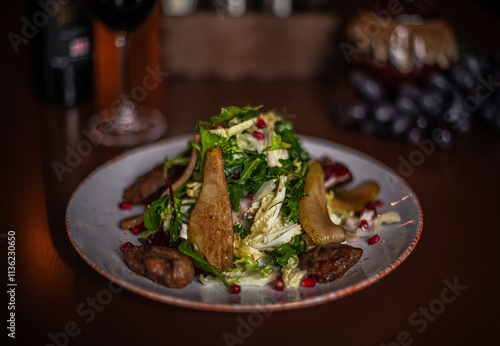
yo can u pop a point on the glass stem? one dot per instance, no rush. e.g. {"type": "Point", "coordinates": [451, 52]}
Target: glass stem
{"type": "Point", "coordinates": [122, 40]}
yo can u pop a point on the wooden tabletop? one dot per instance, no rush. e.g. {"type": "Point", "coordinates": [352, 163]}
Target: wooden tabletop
{"type": "Point", "coordinates": [444, 293]}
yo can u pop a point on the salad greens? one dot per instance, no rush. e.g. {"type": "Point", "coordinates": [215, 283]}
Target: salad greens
{"type": "Point", "coordinates": [265, 167]}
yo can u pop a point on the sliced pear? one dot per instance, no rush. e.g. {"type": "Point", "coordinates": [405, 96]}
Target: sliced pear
{"type": "Point", "coordinates": [357, 198]}
{"type": "Point", "coordinates": [313, 213]}
{"type": "Point", "coordinates": [211, 222]}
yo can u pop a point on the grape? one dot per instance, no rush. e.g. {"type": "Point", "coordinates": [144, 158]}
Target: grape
{"type": "Point", "coordinates": [383, 115]}
{"type": "Point", "coordinates": [410, 90]}
{"type": "Point", "coordinates": [462, 77]}
{"type": "Point", "coordinates": [485, 61]}
{"type": "Point", "coordinates": [439, 108]}
{"type": "Point", "coordinates": [400, 125]}
{"type": "Point", "coordinates": [423, 122]}
{"type": "Point", "coordinates": [350, 115]}
{"type": "Point", "coordinates": [406, 105]}
{"type": "Point", "coordinates": [439, 81]}
{"type": "Point", "coordinates": [369, 89]}
{"type": "Point", "coordinates": [433, 101]}
{"type": "Point", "coordinates": [471, 62]}
{"type": "Point", "coordinates": [443, 137]}
{"type": "Point", "coordinates": [415, 135]}
{"type": "Point", "coordinates": [457, 117]}
{"type": "Point", "coordinates": [489, 112]}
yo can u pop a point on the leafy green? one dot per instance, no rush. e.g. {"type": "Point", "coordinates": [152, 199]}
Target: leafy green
{"type": "Point", "coordinates": [249, 266]}
{"type": "Point", "coordinates": [239, 229]}
{"type": "Point", "coordinates": [277, 143]}
{"type": "Point", "coordinates": [181, 160]}
{"type": "Point", "coordinates": [235, 194]}
{"type": "Point", "coordinates": [279, 257]}
{"type": "Point", "coordinates": [285, 130]}
{"type": "Point", "coordinates": [190, 249]}
{"type": "Point", "coordinates": [248, 169]}
{"type": "Point", "coordinates": [234, 161]}
{"type": "Point", "coordinates": [163, 210]}
{"type": "Point", "coordinates": [294, 193]}
{"type": "Point", "coordinates": [152, 218]}
{"type": "Point", "coordinates": [229, 113]}
{"type": "Point", "coordinates": [284, 126]}
{"type": "Point", "coordinates": [247, 271]}
{"type": "Point", "coordinates": [208, 140]}
{"type": "Point", "coordinates": [296, 150]}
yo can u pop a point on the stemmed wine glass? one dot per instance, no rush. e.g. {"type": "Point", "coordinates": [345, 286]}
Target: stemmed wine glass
{"type": "Point", "coordinates": [125, 123]}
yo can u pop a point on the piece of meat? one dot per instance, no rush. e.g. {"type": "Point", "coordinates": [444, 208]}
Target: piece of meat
{"type": "Point", "coordinates": [145, 186]}
{"type": "Point", "coordinates": [164, 265]}
{"type": "Point", "coordinates": [330, 262]}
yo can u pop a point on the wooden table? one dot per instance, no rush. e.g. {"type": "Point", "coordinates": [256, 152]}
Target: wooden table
{"type": "Point", "coordinates": [445, 293]}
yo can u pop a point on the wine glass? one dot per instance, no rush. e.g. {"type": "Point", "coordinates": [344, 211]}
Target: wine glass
{"type": "Point", "coordinates": [125, 123]}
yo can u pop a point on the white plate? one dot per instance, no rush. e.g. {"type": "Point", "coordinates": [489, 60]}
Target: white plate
{"type": "Point", "coordinates": [93, 217]}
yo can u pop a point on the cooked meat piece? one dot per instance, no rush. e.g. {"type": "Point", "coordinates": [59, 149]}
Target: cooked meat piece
{"type": "Point", "coordinates": [330, 262]}
{"type": "Point", "coordinates": [145, 186]}
{"type": "Point", "coordinates": [164, 265]}
{"type": "Point", "coordinates": [134, 255]}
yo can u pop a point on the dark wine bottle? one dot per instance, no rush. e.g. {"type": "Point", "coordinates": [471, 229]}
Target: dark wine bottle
{"type": "Point", "coordinates": [62, 51]}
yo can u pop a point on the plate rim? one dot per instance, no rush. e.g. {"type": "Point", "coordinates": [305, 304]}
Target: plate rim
{"type": "Point", "coordinates": [250, 308]}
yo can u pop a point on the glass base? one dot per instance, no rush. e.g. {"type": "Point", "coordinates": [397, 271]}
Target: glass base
{"type": "Point", "coordinates": [145, 126]}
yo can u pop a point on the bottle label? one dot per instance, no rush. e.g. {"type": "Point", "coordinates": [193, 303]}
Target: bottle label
{"type": "Point", "coordinates": [79, 47]}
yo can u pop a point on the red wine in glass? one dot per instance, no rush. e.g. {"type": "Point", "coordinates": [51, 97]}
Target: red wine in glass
{"type": "Point", "coordinates": [125, 124]}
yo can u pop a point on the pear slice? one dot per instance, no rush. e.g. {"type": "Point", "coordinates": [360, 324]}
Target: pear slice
{"type": "Point", "coordinates": [357, 198]}
{"type": "Point", "coordinates": [313, 213]}
{"type": "Point", "coordinates": [211, 222]}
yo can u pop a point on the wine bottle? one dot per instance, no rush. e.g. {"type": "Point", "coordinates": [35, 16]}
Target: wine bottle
{"type": "Point", "coordinates": [62, 51]}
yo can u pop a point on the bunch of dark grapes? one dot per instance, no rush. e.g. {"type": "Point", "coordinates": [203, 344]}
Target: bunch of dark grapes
{"type": "Point", "coordinates": [441, 107]}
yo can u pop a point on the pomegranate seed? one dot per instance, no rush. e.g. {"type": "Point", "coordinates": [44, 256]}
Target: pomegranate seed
{"type": "Point", "coordinates": [363, 224]}
{"type": "Point", "coordinates": [258, 135]}
{"type": "Point", "coordinates": [308, 282]}
{"type": "Point", "coordinates": [137, 229]}
{"type": "Point", "coordinates": [260, 123]}
{"type": "Point", "coordinates": [279, 285]}
{"type": "Point", "coordinates": [125, 205]}
{"type": "Point", "coordinates": [126, 246]}
{"type": "Point", "coordinates": [379, 203]}
{"type": "Point", "coordinates": [220, 126]}
{"type": "Point", "coordinates": [374, 240]}
{"type": "Point", "coordinates": [235, 289]}
{"type": "Point", "coordinates": [370, 206]}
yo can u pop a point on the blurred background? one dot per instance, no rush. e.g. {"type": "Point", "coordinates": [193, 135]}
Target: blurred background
{"type": "Point", "coordinates": [400, 68]}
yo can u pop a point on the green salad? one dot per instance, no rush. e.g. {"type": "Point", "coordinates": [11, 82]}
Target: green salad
{"type": "Point", "coordinates": [264, 180]}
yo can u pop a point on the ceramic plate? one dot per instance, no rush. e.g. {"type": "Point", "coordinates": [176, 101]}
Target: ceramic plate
{"type": "Point", "coordinates": [93, 217]}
